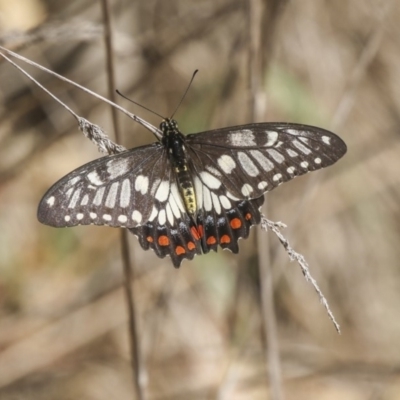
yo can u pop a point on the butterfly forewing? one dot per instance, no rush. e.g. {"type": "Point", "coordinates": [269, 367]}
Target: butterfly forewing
{"type": "Point", "coordinates": [115, 190]}
{"type": "Point", "coordinates": [249, 160]}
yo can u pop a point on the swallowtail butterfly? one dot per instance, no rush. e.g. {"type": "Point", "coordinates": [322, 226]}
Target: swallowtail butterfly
{"type": "Point", "coordinates": [187, 195]}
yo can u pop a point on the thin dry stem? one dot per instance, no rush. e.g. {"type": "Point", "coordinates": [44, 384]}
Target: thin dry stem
{"type": "Point", "coordinates": [137, 366]}
{"type": "Point", "coordinates": [137, 119]}
{"type": "Point", "coordinates": [92, 131]}
{"type": "Point", "coordinates": [293, 255]}
{"type": "Point", "coordinates": [258, 46]}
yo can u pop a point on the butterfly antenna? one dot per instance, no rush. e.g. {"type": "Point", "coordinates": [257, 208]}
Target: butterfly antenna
{"type": "Point", "coordinates": [184, 95]}
{"type": "Point", "coordinates": [134, 102]}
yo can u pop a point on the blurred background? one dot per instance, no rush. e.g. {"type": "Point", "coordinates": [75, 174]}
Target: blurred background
{"type": "Point", "coordinates": [63, 315]}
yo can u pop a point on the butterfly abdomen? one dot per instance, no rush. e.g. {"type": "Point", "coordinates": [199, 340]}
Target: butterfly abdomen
{"type": "Point", "coordinates": [186, 188]}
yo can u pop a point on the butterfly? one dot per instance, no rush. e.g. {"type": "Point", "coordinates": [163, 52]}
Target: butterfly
{"type": "Point", "coordinates": [187, 195]}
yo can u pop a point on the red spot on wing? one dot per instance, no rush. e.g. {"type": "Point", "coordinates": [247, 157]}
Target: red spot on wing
{"type": "Point", "coordinates": [236, 223]}
{"type": "Point", "coordinates": [211, 240]}
{"type": "Point", "coordinates": [225, 239]}
{"type": "Point", "coordinates": [180, 250]}
{"type": "Point", "coordinates": [150, 239]}
{"type": "Point", "coordinates": [248, 216]}
{"type": "Point", "coordinates": [163, 240]}
{"type": "Point", "coordinates": [195, 232]}
{"type": "Point", "coordinates": [191, 246]}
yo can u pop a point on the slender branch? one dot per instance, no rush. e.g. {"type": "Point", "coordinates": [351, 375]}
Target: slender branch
{"type": "Point", "coordinates": [92, 131]}
{"type": "Point", "coordinates": [137, 368]}
{"type": "Point", "coordinates": [157, 133]}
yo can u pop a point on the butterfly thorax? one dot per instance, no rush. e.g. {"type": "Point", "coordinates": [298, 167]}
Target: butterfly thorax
{"type": "Point", "coordinates": [174, 142]}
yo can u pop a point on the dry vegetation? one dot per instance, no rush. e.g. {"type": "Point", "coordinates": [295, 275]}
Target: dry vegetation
{"type": "Point", "coordinates": [63, 320]}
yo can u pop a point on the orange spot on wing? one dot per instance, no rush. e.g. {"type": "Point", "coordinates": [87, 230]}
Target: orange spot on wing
{"type": "Point", "coordinates": [191, 246]}
{"type": "Point", "coordinates": [248, 216]}
{"type": "Point", "coordinates": [195, 232]}
{"type": "Point", "coordinates": [163, 240]}
{"type": "Point", "coordinates": [150, 239]}
{"type": "Point", "coordinates": [200, 230]}
{"type": "Point", "coordinates": [225, 239]}
{"type": "Point", "coordinates": [211, 240]}
{"type": "Point", "coordinates": [236, 223]}
{"type": "Point", "coordinates": [180, 250]}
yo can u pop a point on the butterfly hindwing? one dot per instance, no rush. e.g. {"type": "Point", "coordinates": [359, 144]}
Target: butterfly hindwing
{"type": "Point", "coordinates": [183, 239]}
{"type": "Point", "coordinates": [226, 228]}
{"type": "Point", "coordinates": [179, 240]}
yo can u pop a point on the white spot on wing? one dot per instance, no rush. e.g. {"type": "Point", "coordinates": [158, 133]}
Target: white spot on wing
{"type": "Point", "coordinates": [225, 202]}
{"type": "Point", "coordinates": [162, 219]}
{"type": "Point", "coordinates": [107, 217]}
{"type": "Point", "coordinates": [294, 132]}
{"type": "Point", "coordinates": [207, 199]}
{"type": "Point", "coordinates": [277, 177]}
{"type": "Point", "coordinates": [170, 216]}
{"type": "Point", "coordinates": [174, 206]}
{"type": "Point", "coordinates": [262, 185]}
{"type": "Point", "coordinates": [231, 196]}
{"type": "Point", "coordinates": [117, 167]}
{"type": "Point", "coordinates": [210, 180]}
{"type": "Point", "coordinates": [50, 201]}
{"type": "Point", "coordinates": [142, 184]}
{"type": "Point", "coordinates": [301, 147]}
{"type": "Point", "coordinates": [326, 140]}
{"type": "Point", "coordinates": [75, 180]}
{"type": "Point", "coordinates": [93, 215]}
{"type": "Point", "coordinates": [227, 163]}
{"type": "Point", "coordinates": [216, 203]}
{"type": "Point", "coordinates": [125, 195]}
{"type": "Point", "coordinates": [122, 218]}
{"type": "Point", "coordinates": [67, 218]}
{"type": "Point", "coordinates": [85, 200]}
{"type": "Point", "coordinates": [112, 195]}
{"type": "Point", "coordinates": [266, 164]}
{"type": "Point", "coordinates": [213, 170]}
{"type": "Point", "coordinates": [74, 199]}
{"type": "Point", "coordinates": [99, 196]}
{"type": "Point", "coordinates": [317, 160]}
{"type": "Point", "coordinates": [304, 140]}
{"type": "Point", "coordinates": [304, 164]}
{"type": "Point", "coordinates": [244, 138]}
{"type": "Point", "coordinates": [162, 191]}
{"type": "Point", "coordinates": [153, 214]}
{"type": "Point", "coordinates": [292, 153]}
{"type": "Point", "coordinates": [246, 189]}
{"type": "Point", "coordinates": [291, 170]}
{"type": "Point", "coordinates": [248, 165]}
{"type": "Point", "coordinates": [69, 192]}
{"type": "Point", "coordinates": [94, 178]}
{"type": "Point", "coordinates": [198, 188]}
{"type": "Point", "coordinates": [137, 216]}
{"type": "Point", "coordinates": [79, 216]}
{"type": "Point", "coordinates": [272, 137]}
{"type": "Point", "coordinates": [177, 197]}
{"type": "Point", "coordinates": [278, 157]}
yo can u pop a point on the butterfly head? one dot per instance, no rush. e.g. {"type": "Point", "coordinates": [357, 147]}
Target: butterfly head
{"type": "Point", "coordinates": [168, 126]}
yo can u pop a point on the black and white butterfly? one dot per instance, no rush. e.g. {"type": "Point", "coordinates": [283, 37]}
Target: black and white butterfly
{"type": "Point", "coordinates": [187, 195]}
